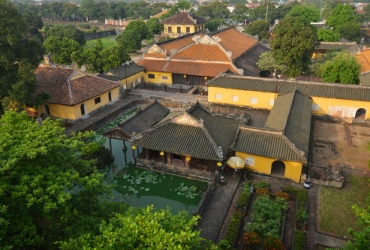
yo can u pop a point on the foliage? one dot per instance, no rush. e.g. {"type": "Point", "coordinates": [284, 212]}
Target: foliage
{"type": "Point", "coordinates": [21, 52]}
{"type": "Point", "coordinates": [351, 31]}
{"type": "Point", "coordinates": [273, 243]}
{"type": "Point", "coordinates": [328, 35]}
{"type": "Point", "coordinates": [34, 25]}
{"type": "Point", "coordinates": [84, 25]}
{"type": "Point", "coordinates": [282, 195]}
{"type": "Point", "coordinates": [114, 57]}
{"type": "Point", "coordinates": [90, 57]}
{"type": "Point", "coordinates": [293, 43]}
{"type": "Point", "coordinates": [224, 245]}
{"type": "Point", "coordinates": [48, 192]}
{"type": "Point", "coordinates": [341, 14]}
{"type": "Point", "coordinates": [267, 216]}
{"type": "Point", "coordinates": [154, 26]}
{"type": "Point", "coordinates": [308, 12]}
{"type": "Point", "coordinates": [67, 31]}
{"type": "Point", "coordinates": [262, 191]}
{"type": "Point", "coordinates": [232, 230]}
{"type": "Point", "coordinates": [142, 229]}
{"type": "Point", "coordinates": [244, 196]}
{"type": "Point", "coordinates": [300, 193]}
{"type": "Point", "coordinates": [239, 13]}
{"type": "Point", "coordinates": [260, 28]}
{"type": "Point", "coordinates": [97, 152]}
{"type": "Point", "coordinates": [130, 40]}
{"type": "Point", "coordinates": [140, 28]}
{"type": "Point", "coordinates": [267, 62]}
{"type": "Point", "coordinates": [251, 238]}
{"type": "Point", "coordinates": [61, 49]}
{"type": "Point", "coordinates": [180, 5]}
{"type": "Point", "coordinates": [213, 24]}
{"type": "Point", "coordinates": [301, 215]}
{"type": "Point", "coordinates": [188, 192]}
{"type": "Point", "coordinates": [343, 68]}
{"type": "Point", "coordinates": [213, 10]}
{"type": "Point", "coordinates": [261, 184]}
{"type": "Point", "coordinates": [299, 239]}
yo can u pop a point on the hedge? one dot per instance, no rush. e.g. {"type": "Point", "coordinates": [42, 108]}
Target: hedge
{"type": "Point", "coordinates": [232, 231]}
{"type": "Point", "coordinates": [244, 196]}
{"type": "Point", "coordinates": [299, 240]}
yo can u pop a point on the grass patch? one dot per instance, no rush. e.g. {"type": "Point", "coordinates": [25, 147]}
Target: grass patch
{"type": "Point", "coordinates": [107, 42]}
{"type": "Point", "coordinates": [334, 206]}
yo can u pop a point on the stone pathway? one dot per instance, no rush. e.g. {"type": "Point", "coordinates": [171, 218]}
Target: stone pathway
{"type": "Point", "coordinates": [216, 210]}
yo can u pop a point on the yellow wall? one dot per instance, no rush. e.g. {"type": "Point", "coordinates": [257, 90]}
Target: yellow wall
{"type": "Point", "coordinates": [337, 108]}
{"type": "Point", "coordinates": [60, 111]}
{"type": "Point", "coordinates": [244, 97]}
{"type": "Point", "coordinates": [193, 28]}
{"type": "Point", "coordinates": [158, 77]}
{"type": "Point", "coordinates": [263, 165]}
{"type": "Point", "coordinates": [133, 80]}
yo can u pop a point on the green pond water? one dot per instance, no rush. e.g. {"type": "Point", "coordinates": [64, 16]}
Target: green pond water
{"type": "Point", "coordinates": [140, 188]}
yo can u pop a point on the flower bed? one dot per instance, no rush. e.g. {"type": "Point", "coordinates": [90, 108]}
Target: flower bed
{"type": "Point", "coordinates": [301, 195]}
{"type": "Point", "coordinates": [233, 229]}
{"type": "Point", "coordinates": [299, 240]}
{"type": "Point", "coordinates": [262, 184]}
{"type": "Point", "coordinates": [272, 243]}
{"type": "Point", "coordinates": [243, 199]}
{"type": "Point", "coordinates": [251, 239]}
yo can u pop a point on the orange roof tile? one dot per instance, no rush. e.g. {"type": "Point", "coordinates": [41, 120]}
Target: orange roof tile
{"type": "Point", "coordinates": [364, 59]}
{"type": "Point", "coordinates": [235, 41]}
{"type": "Point", "coordinates": [203, 52]}
{"type": "Point", "coordinates": [178, 43]}
{"type": "Point", "coordinates": [153, 65]}
{"type": "Point", "coordinates": [155, 55]}
{"type": "Point", "coordinates": [185, 17]}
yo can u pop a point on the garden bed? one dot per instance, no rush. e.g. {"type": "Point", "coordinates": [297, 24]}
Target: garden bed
{"type": "Point", "coordinates": [174, 88]}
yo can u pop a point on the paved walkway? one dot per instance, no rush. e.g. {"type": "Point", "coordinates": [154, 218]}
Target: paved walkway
{"type": "Point", "coordinates": [216, 210]}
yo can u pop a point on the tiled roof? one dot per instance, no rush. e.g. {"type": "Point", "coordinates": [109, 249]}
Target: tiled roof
{"type": "Point", "coordinates": [187, 67]}
{"type": "Point", "coordinates": [267, 143]}
{"type": "Point", "coordinates": [349, 46]}
{"type": "Point", "coordinates": [179, 138]}
{"type": "Point", "coordinates": [291, 114]}
{"type": "Point", "coordinates": [235, 41]}
{"type": "Point", "coordinates": [248, 60]}
{"type": "Point", "coordinates": [54, 81]}
{"type": "Point", "coordinates": [154, 55]}
{"type": "Point", "coordinates": [329, 90]}
{"type": "Point", "coordinates": [143, 119]}
{"type": "Point", "coordinates": [122, 72]}
{"type": "Point", "coordinates": [184, 17]}
{"type": "Point", "coordinates": [364, 59]}
{"type": "Point", "coordinates": [222, 129]}
{"type": "Point", "coordinates": [203, 52]}
{"type": "Point", "coordinates": [179, 43]}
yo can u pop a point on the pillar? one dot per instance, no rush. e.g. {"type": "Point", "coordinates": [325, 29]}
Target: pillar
{"type": "Point", "coordinates": [169, 158]}
{"type": "Point", "coordinates": [110, 144]}
{"type": "Point", "coordinates": [147, 153]}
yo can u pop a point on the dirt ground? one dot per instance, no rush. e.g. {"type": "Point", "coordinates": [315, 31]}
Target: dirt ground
{"type": "Point", "coordinates": [342, 145]}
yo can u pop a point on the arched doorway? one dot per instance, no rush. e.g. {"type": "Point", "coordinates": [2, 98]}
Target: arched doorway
{"type": "Point", "coordinates": [82, 108]}
{"type": "Point", "coordinates": [278, 169]}
{"type": "Point", "coordinates": [110, 96]}
{"type": "Point", "coordinates": [46, 109]}
{"type": "Point", "coordinates": [360, 114]}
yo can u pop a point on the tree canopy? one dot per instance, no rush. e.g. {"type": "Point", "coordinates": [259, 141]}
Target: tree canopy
{"type": "Point", "coordinates": [308, 12]}
{"type": "Point", "coordinates": [328, 35]}
{"type": "Point", "coordinates": [351, 31]}
{"type": "Point", "coordinates": [130, 40]}
{"type": "Point", "coordinates": [268, 62]}
{"type": "Point", "coordinates": [154, 26]}
{"type": "Point", "coordinates": [260, 28]}
{"type": "Point", "coordinates": [139, 27]}
{"type": "Point", "coordinates": [293, 43]}
{"type": "Point", "coordinates": [61, 49]}
{"type": "Point", "coordinates": [213, 24]}
{"type": "Point", "coordinates": [67, 31]}
{"type": "Point", "coordinates": [341, 14]}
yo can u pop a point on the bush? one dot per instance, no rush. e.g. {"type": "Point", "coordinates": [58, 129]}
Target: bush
{"type": "Point", "coordinates": [84, 26]}
{"type": "Point", "coordinates": [262, 191]}
{"type": "Point", "coordinates": [224, 245]}
{"type": "Point", "coordinates": [301, 215]}
{"type": "Point", "coordinates": [150, 41]}
{"type": "Point", "coordinates": [282, 195]}
{"type": "Point", "coordinates": [244, 196]}
{"type": "Point", "coordinates": [233, 228]}
{"type": "Point", "coordinates": [262, 184]}
{"type": "Point", "coordinates": [302, 197]}
{"type": "Point", "coordinates": [251, 238]}
{"type": "Point", "coordinates": [299, 240]}
{"type": "Point", "coordinates": [272, 243]}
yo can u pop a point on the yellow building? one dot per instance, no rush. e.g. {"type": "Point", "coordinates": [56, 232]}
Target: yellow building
{"type": "Point", "coordinates": [183, 23]}
{"type": "Point", "coordinates": [74, 94]}
{"type": "Point", "coordinates": [340, 101]}
{"type": "Point", "coordinates": [129, 75]}
{"type": "Point", "coordinates": [280, 148]}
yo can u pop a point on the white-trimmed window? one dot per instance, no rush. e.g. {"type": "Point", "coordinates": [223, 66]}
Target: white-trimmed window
{"type": "Point", "coordinates": [218, 96]}
{"type": "Point", "coordinates": [249, 161]}
{"type": "Point", "coordinates": [315, 106]}
{"type": "Point", "coordinates": [272, 102]}
{"type": "Point", "coordinates": [235, 98]}
{"type": "Point", "coordinates": [254, 100]}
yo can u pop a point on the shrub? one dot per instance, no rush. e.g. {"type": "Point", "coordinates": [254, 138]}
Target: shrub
{"type": "Point", "coordinates": [302, 197]}
{"type": "Point", "coordinates": [301, 215]}
{"type": "Point", "coordinates": [262, 191]}
{"type": "Point", "coordinates": [84, 25]}
{"type": "Point", "coordinates": [244, 196]}
{"type": "Point", "coordinates": [262, 184]}
{"type": "Point", "coordinates": [299, 240]}
{"type": "Point", "coordinates": [233, 228]}
{"type": "Point", "coordinates": [272, 243]}
{"type": "Point", "coordinates": [224, 245]}
{"type": "Point", "coordinates": [251, 238]}
{"type": "Point", "coordinates": [282, 195]}
{"type": "Point", "coordinates": [150, 41]}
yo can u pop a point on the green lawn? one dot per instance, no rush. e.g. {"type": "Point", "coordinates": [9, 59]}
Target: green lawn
{"type": "Point", "coordinates": [334, 205]}
{"type": "Point", "coordinates": [107, 43]}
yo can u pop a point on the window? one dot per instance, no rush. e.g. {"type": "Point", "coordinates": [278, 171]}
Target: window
{"type": "Point", "coordinates": [315, 107]}
{"type": "Point", "coordinates": [218, 96]}
{"type": "Point", "coordinates": [249, 161]}
{"type": "Point", "coordinates": [169, 29]}
{"type": "Point", "coordinates": [178, 29]}
{"type": "Point", "coordinates": [97, 100]}
{"type": "Point", "coordinates": [165, 78]}
{"type": "Point", "coordinates": [110, 96]}
{"type": "Point", "coordinates": [151, 76]}
{"type": "Point", "coordinates": [235, 98]}
{"type": "Point", "coordinates": [253, 100]}
{"type": "Point", "coordinates": [272, 102]}
{"type": "Point", "coordinates": [187, 29]}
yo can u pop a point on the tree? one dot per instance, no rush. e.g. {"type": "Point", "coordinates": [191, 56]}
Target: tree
{"type": "Point", "coordinates": [48, 192]}
{"type": "Point", "coordinates": [341, 14]}
{"type": "Point", "coordinates": [343, 68]}
{"type": "Point", "coordinates": [268, 62]}
{"type": "Point", "coordinates": [328, 35]}
{"type": "Point", "coordinates": [90, 57]}
{"type": "Point", "coordinates": [260, 28]}
{"type": "Point", "coordinates": [61, 49]}
{"type": "Point", "coordinates": [114, 57]}
{"type": "Point", "coordinates": [34, 24]}
{"type": "Point", "coordinates": [351, 31]}
{"type": "Point", "coordinates": [240, 12]}
{"type": "Point", "coordinates": [139, 27]}
{"type": "Point", "coordinates": [213, 24]}
{"type": "Point", "coordinates": [154, 26]}
{"type": "Point", "coordinates": [308, 12]}
{"type": "Point", "coordinates": [143, 229]}
{"type": "Point", "coordinates": [130, 40]}
{"type": "Point", "coordinates": [67, 31]}
{"type": "Point", "coordinates": [293, 43]}
{"type": "Point", "coordinates": [180, 5]}
{"type": "Point", "coordinates": [20, 55]}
